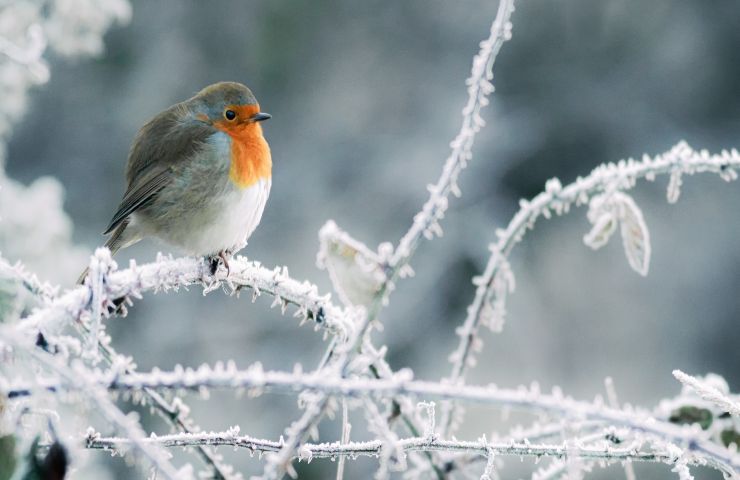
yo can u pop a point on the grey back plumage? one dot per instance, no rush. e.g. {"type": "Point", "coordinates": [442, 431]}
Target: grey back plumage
{"type": "Point", "coordinates": [171, 137]}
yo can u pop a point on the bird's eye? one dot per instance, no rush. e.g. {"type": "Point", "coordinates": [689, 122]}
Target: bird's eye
{"type": "Point", "coordinates": [230, 114]}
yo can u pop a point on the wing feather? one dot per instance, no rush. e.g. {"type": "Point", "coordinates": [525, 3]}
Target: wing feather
{"type": "Point", "coordinates": [171, 137]}
{"type": "Point", "coordinates": [142, 193]}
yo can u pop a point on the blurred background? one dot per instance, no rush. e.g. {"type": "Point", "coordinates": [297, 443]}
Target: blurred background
{"type": "Point", "coordinates": [365, 97]}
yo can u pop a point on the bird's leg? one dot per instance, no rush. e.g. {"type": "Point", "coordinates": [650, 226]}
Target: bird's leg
{"type": "Point", "coordinates": [224, 256]}
{"type": "Point", "coordinates": [214, 261]}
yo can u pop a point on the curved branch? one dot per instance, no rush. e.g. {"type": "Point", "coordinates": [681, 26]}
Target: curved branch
{"type": "Point", "coordinates": [681, 159]}
{"type": "Point", "coordinates": [171, 274]}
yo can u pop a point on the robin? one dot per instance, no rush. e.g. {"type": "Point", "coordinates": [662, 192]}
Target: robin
{"type": "Point", "coordinates": [198, 176]}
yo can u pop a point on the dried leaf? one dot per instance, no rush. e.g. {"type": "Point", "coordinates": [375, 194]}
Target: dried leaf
{"type": "Point", "coordinates": [356, 271]}
{"type": "Point", "coordinates": [635, 235]}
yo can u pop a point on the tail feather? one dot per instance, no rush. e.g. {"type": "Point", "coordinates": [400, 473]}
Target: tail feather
{"type": "Point", "coordinates": [120, 238]}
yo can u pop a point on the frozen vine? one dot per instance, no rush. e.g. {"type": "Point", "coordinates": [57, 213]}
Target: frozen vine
{"type": "Point", "coordinates": [609, 208]}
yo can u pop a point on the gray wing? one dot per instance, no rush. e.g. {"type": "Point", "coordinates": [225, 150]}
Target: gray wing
{"type": "Point", "coordinates": [168, 139]}
{"type": "Point", "coordinates": [143, 192]}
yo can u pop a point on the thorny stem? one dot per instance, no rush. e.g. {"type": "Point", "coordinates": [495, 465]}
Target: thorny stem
{"type": "Point", "coordinates": [275, 282]}
{"type": "Point", "coordinates": [415, 444]}
{"type": "Point", "coordinates": [479, 87]}
{"type": "Point", "coordinates": [172, 274]}
{"type": "Point", "coordinates": [166, 410]}
{"type": "Point", "coordinates": [167, 273]}
{"type": "Point", "coordinates": [340, 353]}
{"type": "Point", "coordinates": [172, 416]}
{"type": "Point", "coordinates": [135, 437]}
{"type": "Point", "coordinates": [410, 426]}
{"type": "Point", "coordinates": [522, 399]}
{"type": "Point", "coordinates": [620, 176]}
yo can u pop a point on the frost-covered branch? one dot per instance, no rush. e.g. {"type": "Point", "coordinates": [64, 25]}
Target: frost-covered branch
{"type": "Point", "coordinates": [109, 284]}
{"type": "Point", "coordinates": [175, 413]}
{"type": "Point", "coordinates": [255, 380]}
{"type": "Point", "coordinates": [337, 359]}
{"type": "Point", "coordinates": [77, 379]}
{"type": "Point", "coordinates": [603, 189]}
{"type": "Point", "coordinates": [426, 222]}
{"type": "Point", "coordinates": [373, 448]}
{"type": "Point", "coordinates": [171, 274]}
{"type": "Point", "coordinates": [165, 274]}
{"type": "Point", "coordinates": [43, 291]}
{"type": "Point", "coordinates": [709, 393]}
{"type": "Point", "coordinates": [391, 263]}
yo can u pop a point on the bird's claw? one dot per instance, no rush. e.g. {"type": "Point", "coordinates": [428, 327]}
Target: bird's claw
{"type": "Point", "coordinates": [215, 260]}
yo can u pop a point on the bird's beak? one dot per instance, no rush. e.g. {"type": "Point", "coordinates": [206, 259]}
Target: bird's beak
{"type": "Point", "coordinates": [260, 116]}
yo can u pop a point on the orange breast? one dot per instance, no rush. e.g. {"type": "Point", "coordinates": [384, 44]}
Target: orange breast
{"type": "Point", "coordinates": [250, 158]}
{"type": "Point", "coordinates": [250, 154]}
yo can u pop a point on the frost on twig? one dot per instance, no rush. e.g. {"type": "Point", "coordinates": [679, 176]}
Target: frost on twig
{"type": "Point", "coordinates": [480, 86]}
{"type": "Point", "coordinates": [75, 377]}
{"type": "Point", "coordinates": [374, 448]}
{"type": "Point", "coordinates": [712, 389]}
{"type": "Point", "coordinates": [106, 283]}
{"type": "Point", "coordinates": [391, 454]}
{"type": "Point", "coordinates": [341, 254]}
{"type": "Point", "coordinates": [426, 224]}
{"type": "Point", "coordinates": [346, 429]}
{"type": "Point", "coordinates": [656, 427]}
{"type": "Point", "coordinates": [171, 274]}
{"type": "Point", "coordinates": [603, 190]}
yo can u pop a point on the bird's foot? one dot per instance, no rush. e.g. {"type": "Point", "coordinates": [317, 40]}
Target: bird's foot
{"type": "Point", "coordinates": [224, 255]}
{"type": "Point", "coordinates": [214, 261]}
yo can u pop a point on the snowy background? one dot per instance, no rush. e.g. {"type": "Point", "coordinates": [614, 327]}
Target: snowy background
{"type": "Point", "coordinates": [365, 98]}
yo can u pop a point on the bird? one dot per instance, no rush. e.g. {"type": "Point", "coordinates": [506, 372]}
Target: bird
{"type": "Point", "coordinates": [198, 176]}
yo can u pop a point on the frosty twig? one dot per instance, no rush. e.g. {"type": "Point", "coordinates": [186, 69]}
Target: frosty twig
{"type": "Point", "coordinates": [171, 274]}
{"type": "Point", "coordinates": [489, 303]}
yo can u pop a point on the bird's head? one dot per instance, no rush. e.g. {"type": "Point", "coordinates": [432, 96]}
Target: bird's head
{"type": "Point", "coordinates": [230, 107]}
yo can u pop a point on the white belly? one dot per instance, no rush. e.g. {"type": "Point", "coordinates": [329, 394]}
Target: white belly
{"type": "Point", "coordinates": [231, 228]}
